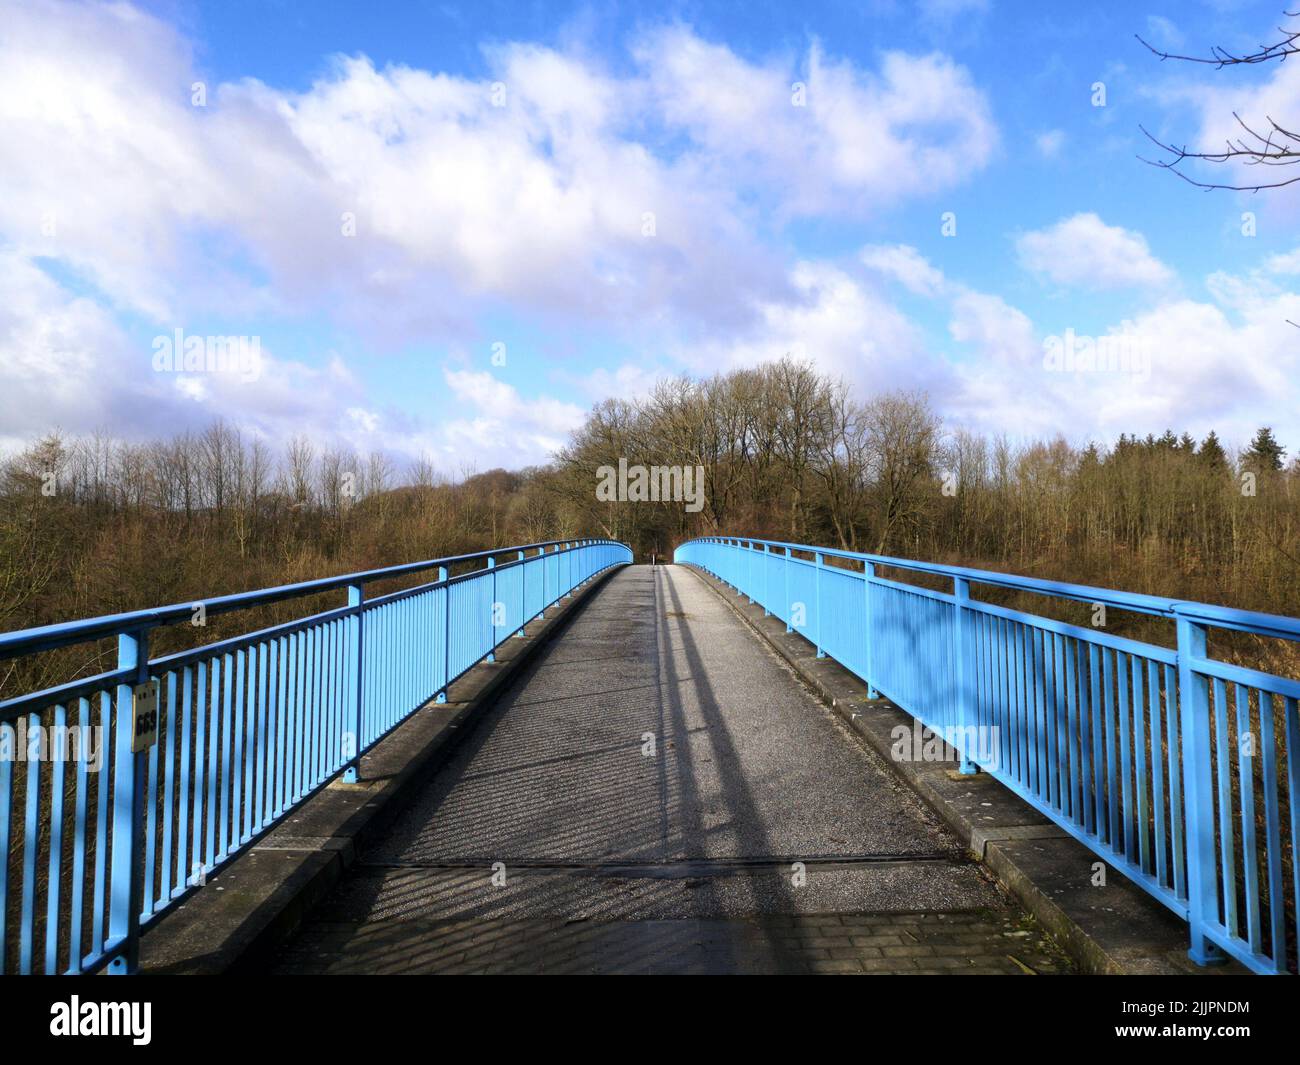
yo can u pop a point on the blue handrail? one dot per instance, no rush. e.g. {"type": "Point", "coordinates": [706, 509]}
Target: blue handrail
{"type": "Point", "coordinates": [47, 637]}
{"type": "Point", "coordinates": [1181, 770]}
{"type": "Point", "coordinates": [132, 786]}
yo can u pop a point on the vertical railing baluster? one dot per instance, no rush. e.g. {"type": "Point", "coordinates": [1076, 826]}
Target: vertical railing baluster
{"type": "Point", "coordinates": [128, 809]}
{"type": "Point", "coordinates": [1272, 833]}
{"type": "Point", "coordinates": [200, 757]}
{"type": "Point", "coordinates": [101, 827]}
{"type": "Point", "coordinates": [356, 653]}
{"type": "Point", "coordinates": [227, 672]}
{"type": "Point", "coordinates": [166, 879]}
{"type": "Point", "coordinates": [56, 850]}
{"type": "Point", "coordinates": [441, 697]}
{"type": "Point", "coordinates": [964, 673]}
{"type": "Point", "coordinates": [1291, 710]}
{"type": "Point", "coordinates": [151, 826]}
{"type": "Point", "coordinates": [492, 607]}
{"type": "Point", "coordinates": [1194, 710]}
{"type": "Point", "coordinates": [77, 903]}
{"type": "Point", "coordinates": [237, 711]}
{"type": "Point", "coordinates": [283, 694]}
{"type": "Point", "coordinates": [767, 578]}
{"type": "Point", "coordinates": [818, 565]}
{"type": "Point", "coordinates": [1247, 743]}
{"type": "Point", "coordinates": [31, 840]}
{"type": "Point", "coordinates": [789, 606]}
{"type": "Point", "coordinates": [265, 747]}
{"type": "Point", "coordinates": [523, 591]}
{"type": "Point", "coordinates": [869, 572]}
{"type": "Point", "coordinates": [8, 740]}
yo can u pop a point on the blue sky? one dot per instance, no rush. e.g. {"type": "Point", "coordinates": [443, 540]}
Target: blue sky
{"type": "Point", "coordinates": [610, 193]}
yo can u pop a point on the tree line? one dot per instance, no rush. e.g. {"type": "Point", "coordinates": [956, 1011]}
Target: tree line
{"type": "Point", "coordinates": [96, 525]}
{"type": "Point", "coordinates": [792, 454]}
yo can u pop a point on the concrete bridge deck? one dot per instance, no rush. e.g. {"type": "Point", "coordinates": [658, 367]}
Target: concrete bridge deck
{"type": "Point", "coordinates": [619, 857]}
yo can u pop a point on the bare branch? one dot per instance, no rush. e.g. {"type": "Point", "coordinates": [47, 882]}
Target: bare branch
{"type": "Point", "coordinates": [1221, 57]}
{"type": "Point", "coordinates": [1274, 146]}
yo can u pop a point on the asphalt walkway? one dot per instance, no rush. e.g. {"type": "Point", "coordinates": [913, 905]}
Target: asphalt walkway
{"type": "Point", "coordinates": [658, 793]}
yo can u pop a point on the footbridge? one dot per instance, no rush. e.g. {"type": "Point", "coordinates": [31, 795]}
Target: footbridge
{"type": "Point", "coordinates": [766, 757]}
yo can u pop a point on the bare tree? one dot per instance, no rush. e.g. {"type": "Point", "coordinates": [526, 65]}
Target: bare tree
{"type": "Point", "coordinates": [841, 461]}
{"type": "Point", "coordinates": [301, 461]}
{"type": "Point", "coordinates": [800, 394]}
{"type": "Point", "coordinates": [903, 435]}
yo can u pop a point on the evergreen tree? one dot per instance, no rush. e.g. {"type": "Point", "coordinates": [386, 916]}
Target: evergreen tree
{"type": "Point", "coordinates": [1125, 445]}
{"type": "Point", "coordinates": [1265, 453]}
{"type": "Point", "coordinates": [1212, 453]}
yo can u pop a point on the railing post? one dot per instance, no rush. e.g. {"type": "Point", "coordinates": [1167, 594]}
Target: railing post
{"type": "Point", "coordinates": [965, 674]}
{"type": "Point", "coordinates": [817, 586]}
{"type": "Point", "coordinates": [789, 606]}
{"type": "Point", "coordinates": [767, 577]}
{"type": "Point", "coordinates": [441, 697]}
{"type": "Point", "coordinates": [492, 608]}
{"type": "Point", "coordinates": [523, 593]}
{"type": "Point", "coordinates": [126, 887]}
{"type": "Point", "coordinates": [356, 598]}
{"type": "Point", "coordinates": [1194, 718]}
{"type": "Point", "coordinates": [869, 571]}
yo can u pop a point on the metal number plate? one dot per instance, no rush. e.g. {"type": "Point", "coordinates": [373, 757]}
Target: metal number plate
{"type": "Point", "coordinates": [144, 716]}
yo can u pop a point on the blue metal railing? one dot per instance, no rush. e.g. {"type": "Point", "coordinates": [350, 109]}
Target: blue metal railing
{"type": "Point", "coordinates": [245, 730]}
{"type": "Point", "coordinates": [1182, 771]}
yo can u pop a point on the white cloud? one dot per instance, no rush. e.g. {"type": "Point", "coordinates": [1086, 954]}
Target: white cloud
{"type": "Point", "coordinates": [629, 381]}
{"type": "Point", "coordinates": [65, 363]}
{"type": "Point", "coordinates": [1230, 365]}
{"type": "Point", "coordinates": [171, 213]}
{"type": "Point", "coordinates": [858, 140]}
{"type": "Point", "coordinates": [541, 201]}
{"type": "Point", "coordinates": [164, 212]}
{"type": "Point", "coordinates": [1083, 251]}
{"type": "Point", "coordinates": [61, 357]}
{"type": "Point", "coordinates": [842, 325]}
{"type": "Point", "coordinates": [1285, 263]}
{"type": "Point", "coordinates": [1001, 332]}
{"type": "Point", "coordinates": [1162, 33]}
{"type": "Point", "coordinates": [905, 265]}
{"type": "Point", "coordinates": [1049, 143]}
{"type": "Point", "coordinates": [505, 428]}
